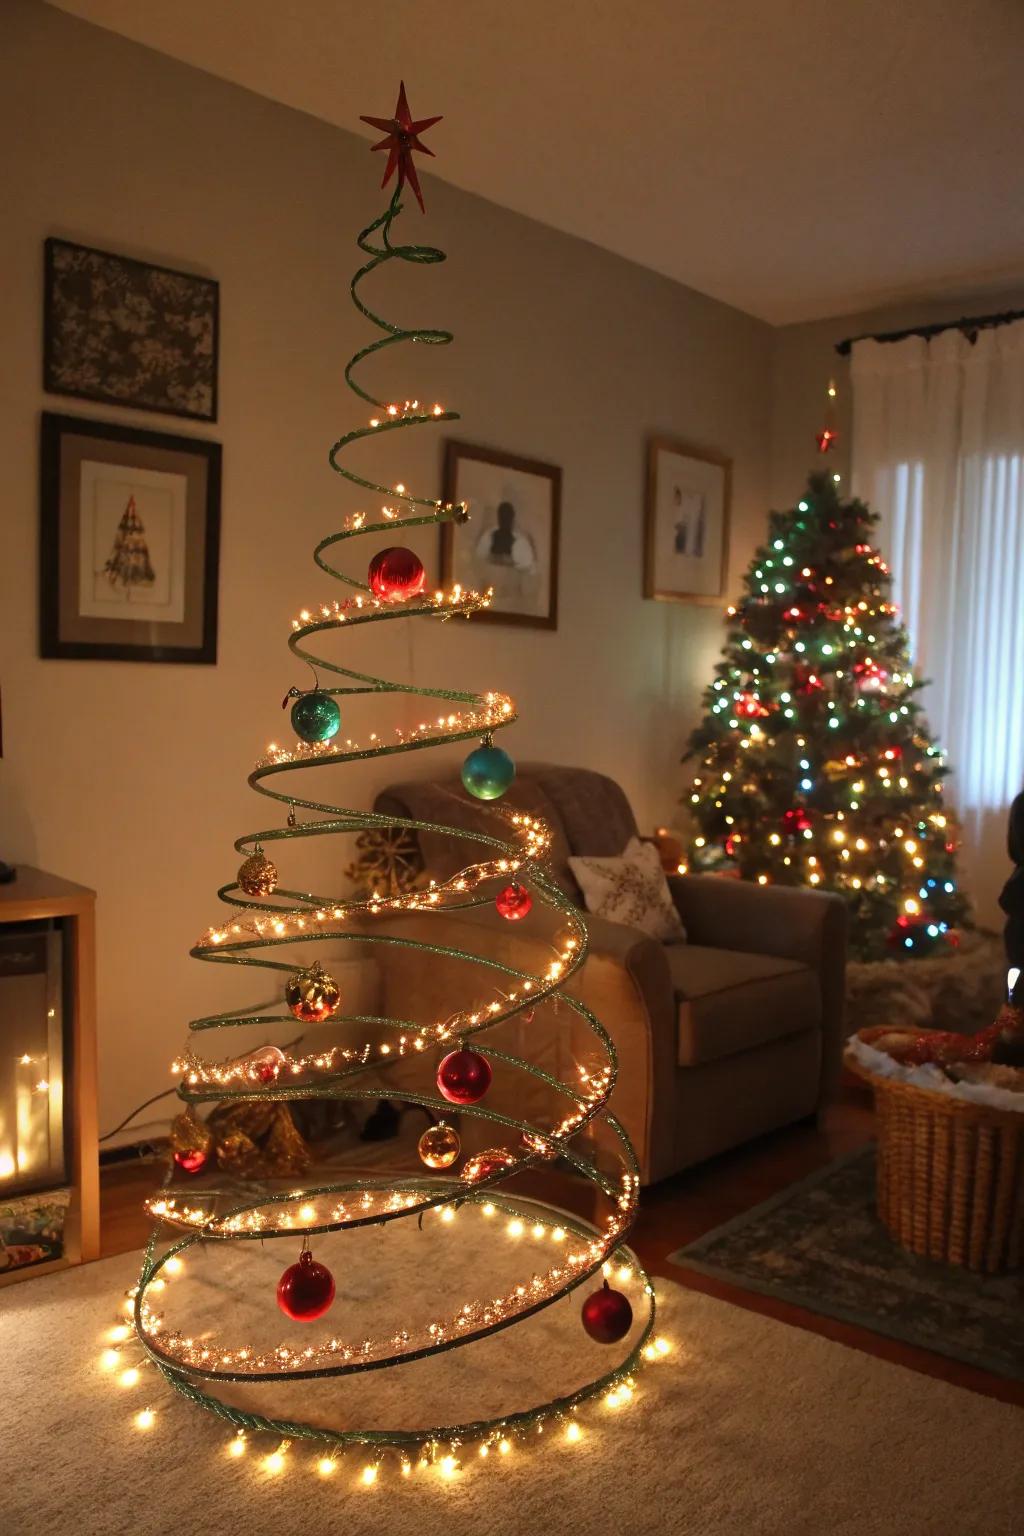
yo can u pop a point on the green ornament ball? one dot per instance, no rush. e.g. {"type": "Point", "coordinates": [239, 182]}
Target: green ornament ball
{"type": "Point", "coordinates": [488, 772]}
{"type": "Point", "coordinates": [316, 717]}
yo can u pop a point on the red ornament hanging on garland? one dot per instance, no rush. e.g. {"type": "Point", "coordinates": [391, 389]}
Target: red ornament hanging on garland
{"type": "Point", "coordinates": [482, 1164]}
{"type": "Point", "coordinates": [514, 902]}
{"type": "Point", "coordinates": [870, 676]}
{"type": "Point", "coordinates": [306, 1289]}
{"type": "Point", "coordinates": [191, 1142]}
{"type": "Point", "coordinates": [750, 707]}
{"type": "Point", "coordinates": [828, 436]}
{"type": "Point", "coordinates": [401, 139]}
{"type": "Point", "coordinates": [396, 573]}
{"type": "Point", "coordinates": [265, 1065]}
{"type": "Point", "coordinates": [464, 1076]}
{"type": "Point", "coordinates": [607, 1315]}
{"type": "Point", "coordinates": [795, 821]}
{"type": "Point", "coordinates": [806, 680]}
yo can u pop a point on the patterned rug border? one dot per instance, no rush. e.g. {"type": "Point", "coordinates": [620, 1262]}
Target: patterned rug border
{"type": "Point", "coordinates": [688, 1258]}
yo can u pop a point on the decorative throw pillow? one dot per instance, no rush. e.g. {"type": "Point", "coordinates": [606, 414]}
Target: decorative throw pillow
{"type": "Point", "coordinates": [631, 889]}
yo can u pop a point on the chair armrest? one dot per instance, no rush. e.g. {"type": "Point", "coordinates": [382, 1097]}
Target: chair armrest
{"type": "Point", "coordinates": [788, 922]}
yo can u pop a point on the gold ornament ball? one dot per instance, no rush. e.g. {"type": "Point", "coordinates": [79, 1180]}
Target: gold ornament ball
{"type": "Point", "coordinates": [257, 876]}
{"type": "Point", "coordinates": [312, 995]}
{"type": "Point", "coordinates": [439, 1146]}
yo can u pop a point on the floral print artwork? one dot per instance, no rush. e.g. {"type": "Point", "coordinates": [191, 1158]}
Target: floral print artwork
{"type": "Point", "coordinates": [131, 333]}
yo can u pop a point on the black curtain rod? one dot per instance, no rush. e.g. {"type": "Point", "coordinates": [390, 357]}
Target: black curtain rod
{"type": "Point", "coordinates": [969, 324]}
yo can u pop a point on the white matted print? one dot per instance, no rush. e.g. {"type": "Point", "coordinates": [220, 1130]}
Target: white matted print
{"type": "Point", "coordinates": [132, 531]}
{"type": "Point", "coordinates": [129, 543]}
{"type": "Point", "coordinates": [687, 523]}
{"type": "Point", "coordinates": [510, 543]}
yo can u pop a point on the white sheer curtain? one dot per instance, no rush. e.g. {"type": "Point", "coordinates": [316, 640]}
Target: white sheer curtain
{"type": "Point", "coordinates": [938, 450]}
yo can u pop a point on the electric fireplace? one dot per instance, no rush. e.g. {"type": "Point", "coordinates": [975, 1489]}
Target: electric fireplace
{"type": "Point", "coordinates": [48, 1151]}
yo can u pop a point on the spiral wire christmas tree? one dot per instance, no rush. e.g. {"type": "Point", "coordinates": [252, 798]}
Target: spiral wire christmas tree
{"type": "Point", "coordinates": [254, 933]}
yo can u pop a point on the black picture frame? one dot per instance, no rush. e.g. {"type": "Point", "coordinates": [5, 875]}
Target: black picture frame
{"type": "Point", "coordinates": [90, 354]}
{"type": "Point", "coordinates": [493, 467]}
{"type": "Point", "coordinates": [64, 633]}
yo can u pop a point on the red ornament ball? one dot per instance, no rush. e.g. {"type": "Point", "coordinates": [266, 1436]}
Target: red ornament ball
{"type": "Point", "coordinates": [464, 1077]}
{"type": "Point", "coordinates": [607, 1315]}
{"type": "Point", "coordinates": [482, 1164]}
{"type": "Point", "coordinates": [396, 573]}
{"type": "Point", "coordinates": [192, 1160]}
{"type": "Point", "coordinates": [265, 1066]}
{"type": "Point", "coordinates": [513, 902]}
{"type": "Point", "coordinates": [305, 1290]}
{"type": "Point", "coordinates": [796, 820]}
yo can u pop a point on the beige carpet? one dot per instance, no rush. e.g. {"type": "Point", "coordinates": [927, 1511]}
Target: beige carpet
{"type": "Point", "coordinates": [750, 1428]}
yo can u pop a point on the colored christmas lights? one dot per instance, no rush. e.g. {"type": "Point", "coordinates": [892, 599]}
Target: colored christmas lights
{"type": "Point", "coordinates": [816, 766]}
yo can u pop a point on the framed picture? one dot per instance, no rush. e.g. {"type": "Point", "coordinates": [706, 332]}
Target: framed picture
{"type": "Point", "coordinates": [129, 333]}
{"type": "Point", "coordinates": [686, 523]}
{"type": "Point", "coordinates": [130, 540]}
{"type": "Point", "coordinates": [510, 542]}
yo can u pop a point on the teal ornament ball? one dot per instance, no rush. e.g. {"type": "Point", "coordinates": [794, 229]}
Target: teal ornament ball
{"type": "Point", "coordinates": [488, 772]}
{"type": "Point", "coordinates": [316, 717]}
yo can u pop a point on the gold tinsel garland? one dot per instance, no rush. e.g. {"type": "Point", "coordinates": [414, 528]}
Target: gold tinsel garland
{"type": "Point", "coordinates": [252, 1141]}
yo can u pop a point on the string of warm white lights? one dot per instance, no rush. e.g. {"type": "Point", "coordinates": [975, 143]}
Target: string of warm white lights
{"type": "Point", "coordinates": [269, 920]}
{"type": "Point", "coordinates": [494, 710]}
{"type": "Point", "coordinates": [414, 1450]}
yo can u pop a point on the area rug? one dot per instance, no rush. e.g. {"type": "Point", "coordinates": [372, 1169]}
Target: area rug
{"type": "Point", "coordinates": [748, 1428]}
{"type": "Point", "coordinates": [820, 1245]}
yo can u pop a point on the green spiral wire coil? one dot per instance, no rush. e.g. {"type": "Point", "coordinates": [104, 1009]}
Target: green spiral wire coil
{"type": "Point", "coordinates": [254, 933]}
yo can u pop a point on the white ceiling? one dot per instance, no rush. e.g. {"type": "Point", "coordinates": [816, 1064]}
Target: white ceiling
{"type": "Point", "coordinates": [796, 158]}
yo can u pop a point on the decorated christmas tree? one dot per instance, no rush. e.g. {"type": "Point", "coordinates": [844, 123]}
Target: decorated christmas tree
{"type": "Point", "coordinates": [128, 564]}
{"type": "Point", "coordinates": [446, 1065]}
{"type": "Point", "coordinates": [816, 764]}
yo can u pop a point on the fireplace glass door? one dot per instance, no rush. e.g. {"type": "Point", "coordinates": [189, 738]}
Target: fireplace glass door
{"type": "Point", "coordinates": [32, 1066]}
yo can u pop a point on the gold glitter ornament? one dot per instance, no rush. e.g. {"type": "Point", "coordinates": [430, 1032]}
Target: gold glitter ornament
{"type": "Point", "coordinates": [312, 995]}
{"type": "Point", "coordinates": [257, 876]}
{"type": "Point", "coordinates": [188, 1131]}
{"type": "Point", "coordinates": [258, 1140]}
{"type": "Point", "coordinates": [439, 1146]}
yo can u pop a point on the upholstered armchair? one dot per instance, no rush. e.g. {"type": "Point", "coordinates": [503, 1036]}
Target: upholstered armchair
{"type": "Point", "coordinates": [731, 1034]}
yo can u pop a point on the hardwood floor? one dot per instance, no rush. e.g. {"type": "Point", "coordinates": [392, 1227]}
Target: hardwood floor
{"type": "Point", "coordinates": [672, 1214]}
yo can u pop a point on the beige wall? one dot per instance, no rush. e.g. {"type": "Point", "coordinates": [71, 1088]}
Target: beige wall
{"type": "Point", "coordinates": [804, 359]}
{"type": "Point", "coordinates": [131, 778]}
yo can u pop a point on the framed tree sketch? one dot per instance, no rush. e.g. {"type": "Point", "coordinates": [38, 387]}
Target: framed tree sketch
{"type": "Point", "coordinates": [130, 540]}
{"type": "Point", "coordinates": [686, 546]}
{"type": "Point", "coordinates": [510, 542]}
{"type": "Point", "coordinates": [129, 333]}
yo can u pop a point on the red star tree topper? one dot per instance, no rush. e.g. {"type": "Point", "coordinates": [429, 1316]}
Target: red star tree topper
{"type": "Point", "coordinates": [401, 138]}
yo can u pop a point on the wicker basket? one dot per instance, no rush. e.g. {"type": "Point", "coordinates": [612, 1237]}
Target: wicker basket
{"type": "Point", "coordinates": [950, 1175]}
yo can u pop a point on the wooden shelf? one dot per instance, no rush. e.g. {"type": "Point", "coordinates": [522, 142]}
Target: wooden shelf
{"type": "Point", "coordinates": [35, 895]}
